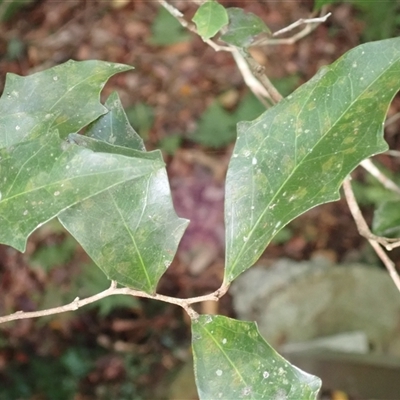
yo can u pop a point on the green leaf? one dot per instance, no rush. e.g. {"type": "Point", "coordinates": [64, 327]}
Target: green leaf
{"type": "Point", "coordinates": [371, 14]}
{"type": "Point", "coordinates": [170, 144]}
{"type": "Point", "coordinates": [297, 154]}
{"type": "Point", "coordinates": [233, 361]}
{"type": "Point", "coordinates": [216, 127]}
{"type": "Point", "coordinates": [43, 176]}
{"type": "Point", "coordinates": [371, 192]}
{"type": "Point", "coordinates": [248, 109]}
{"type": "Point", "coordinates": [65, 98]}
{"type": "Point", "coordinates": [243, 28]}
{"type": "Point", "coordinates": [109, 127]}
{"type": "Point", "coordinates": [386, 220]}
{"type": "Point", "coordinates": [50, 256]}
{"type": "Point", "coordinates": [8, 8]}
{"type": "Point", "coordinates": [141, 117]}
{"type": "Point", "coordinates": [100, 146]}
{"type": "Point", "coordinates": [286, 84]}
{"type": "Point", "coordinates": [15, 49]}
{"type": "Point", "coordinates": [166, 30]}
{"type": "Point", "coordinates": [137, 240]}
{"type": "Point", "coordinates": [210, 18]}
{"type": "Point", "coordinates": [320, 3]}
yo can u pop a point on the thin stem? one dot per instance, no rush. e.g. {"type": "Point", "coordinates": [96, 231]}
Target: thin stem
{"type": "Point", "coordinates": [259, 72]}
{"type": "Point", "coordinates": [258, 89]}
{"type": "Point", "coordinates": [393, 153]}
{"type": "Point", "coordinates": [389, 264]}
{"type": "Point", "coordinates": [74, 305]}
{"type": "Point", "coordinates": [303, 21]}
{"type": "Point", "coordinates": [113, 290]}
{"type": "Point", "coordinates": [392, 119]}
{"type": "Point", "coordinates": [364, 230]}
{"type": "Point", "coordinates": [311, 24]}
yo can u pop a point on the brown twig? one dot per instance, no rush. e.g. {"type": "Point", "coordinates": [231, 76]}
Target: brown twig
{"type": "Point", "coordinates": [258, 89]}
{"type": "Point", "coordinates": [393, 153]}
{"type": "Point", "coordinates": [259, 72]}
{"type": "Point", "coordinates": [389, 264]}
{"type": "Point", "coordinates": [311, 24]}
{"type": "Point", "coordinates": [303, 21]}
{"type": "Point", "coordinates": [114, 290]}
{"type": "Point", "coordinates": [364, 230]}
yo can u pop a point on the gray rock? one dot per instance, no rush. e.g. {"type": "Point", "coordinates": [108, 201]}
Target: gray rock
{"type": "Point", "coordinates": [299, 301]}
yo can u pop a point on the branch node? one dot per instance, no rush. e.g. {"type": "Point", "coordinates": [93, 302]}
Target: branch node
{"type": "Point", "coordinates": [192, 314]}
{"type": "Point", "coordinates": [75, 303]}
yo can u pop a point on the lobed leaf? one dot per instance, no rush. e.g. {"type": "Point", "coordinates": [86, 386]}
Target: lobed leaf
{"type": "Point", "coordinates": [43, 176]}
{"type": "Point", "coordinates": [210, 18]}
{"type": "Point", "coordinates": [114, 127]}
{"type": "Point", "coordinates": [131, 231]}
{"type": "Point", "coordinates": [297, 154]}
{"type": "Point", "coordinates": [233, 361]}
{"type": "Point", "coordinates": [66, 95]}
